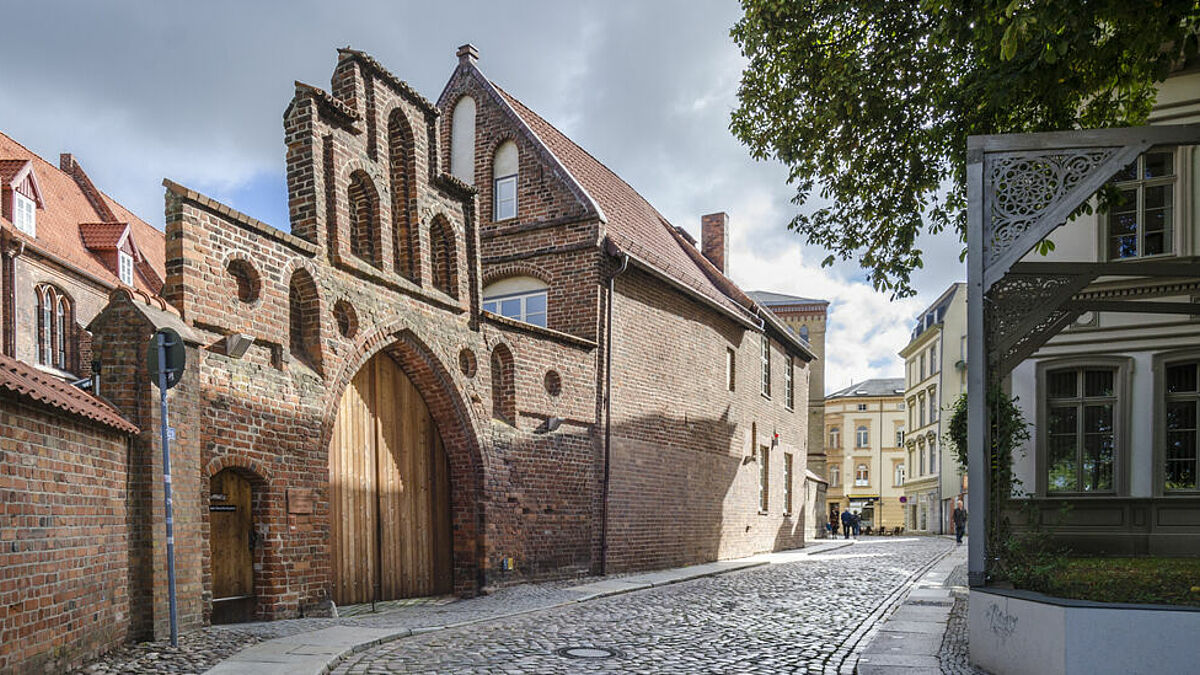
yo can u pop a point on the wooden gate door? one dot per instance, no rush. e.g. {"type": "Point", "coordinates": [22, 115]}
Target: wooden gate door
{"type": "Point", "coordinates": [390, 491]}
{"type": "Point", "coordinates": [232, 547]}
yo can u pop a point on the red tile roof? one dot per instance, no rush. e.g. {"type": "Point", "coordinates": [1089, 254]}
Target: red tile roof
{"type": "Point", "coordinates": [65, 207]}
{"type": "Point", "coordinates": [29, 382]}
{"type": "Point", "coordinates": [9, 168]}
{"type": "Point", "coordinates": [633, 224]}
{"type": "Point", "coordinates": [102, 236]}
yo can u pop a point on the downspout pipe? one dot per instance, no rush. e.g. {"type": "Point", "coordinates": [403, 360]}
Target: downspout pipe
{"type": "Point", "coordinates": [608, 351]}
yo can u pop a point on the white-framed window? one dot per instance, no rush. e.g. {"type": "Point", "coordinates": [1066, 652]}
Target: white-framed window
{"type": "Point", "coordinates": [898, 477]}
{"type": "Point", "coordinates": [521, 298]}
{"type": "Point", "coordinates": [55, 327]}
{"type": "Point", "coordinates": [835, 437]}
{"type": "Point", "coordinates": [1181, 391]}
{"type": "Point", "coordinates": [1081, 406]}
{"type": "Point", "coordinates": [921, 465]}
{"type": "Point", "coordinates": [24, 214]}
{"type": "Point", "coordinates": [1141, 221]}
{"type": "Point", "coordinates": [789, 388]}
{"type": "Point", "coordinates": [922, 365]}
{"type": "Point", "coordinates": [505, 165]}
{"type": "Point", "coordinates": [835, 476]}
{"type": "Point", "coordinates": [862, 436]}
{"type": "Point", "coordinates": [899, 438]}
{"type": "Point", "coordinates": [862, 476]}
{"type": "Point", "coordinates": [933, 362]}
{"type": "Point", "coordinates": [933, 455]}
{"type": "Point", "coordinates": [861, 407]}
{"type": "Point", "coordinates": [921, 407]}
{"type": "Point", "coordinates": [765, 354]}
{"type": "Point", "coordinates": [125, 267]}
{"type": "Point", "coordinates": [933, 406]}
{"type": "Point", "coordinates": [730, 369]}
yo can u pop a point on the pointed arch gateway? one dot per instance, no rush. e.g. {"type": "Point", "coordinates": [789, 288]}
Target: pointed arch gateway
{"type": "Point", "coordinates": [390, 491]}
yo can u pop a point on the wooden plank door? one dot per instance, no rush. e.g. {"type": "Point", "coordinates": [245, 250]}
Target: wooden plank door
{"type": "Point", "coordinates": [390, 491]}
{"type": "Point", "coordinates": [230, 523]}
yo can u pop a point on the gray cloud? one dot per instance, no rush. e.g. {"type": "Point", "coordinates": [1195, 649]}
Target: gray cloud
{"type": "Point", "coordinates": [195, 91]}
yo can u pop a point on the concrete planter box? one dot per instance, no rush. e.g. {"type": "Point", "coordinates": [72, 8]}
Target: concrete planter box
{"type": "Point", "coordinates": [1015, 632]}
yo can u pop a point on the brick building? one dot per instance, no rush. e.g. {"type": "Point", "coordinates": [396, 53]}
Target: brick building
{"type": "Point", "coordinates": [68, 530]}
{"type": "Point", "coordinates": [477, 357]}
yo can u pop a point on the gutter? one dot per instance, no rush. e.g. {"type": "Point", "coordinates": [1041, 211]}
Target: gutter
{"type": "Point", "coordinates": [653, 271]}
{"type": "Point", "coordinates": [608, 416]}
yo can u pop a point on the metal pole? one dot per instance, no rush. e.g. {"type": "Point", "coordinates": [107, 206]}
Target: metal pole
{"type": "Point", "coordinates": [977, 412]}
{"type": "Point", "coordinates": [164, 429]}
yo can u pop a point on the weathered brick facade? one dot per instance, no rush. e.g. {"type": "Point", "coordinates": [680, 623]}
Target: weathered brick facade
{"type": "Point", "coordinates": [65, 535]}
{"type": "Point", "coordinates": [564, 456]}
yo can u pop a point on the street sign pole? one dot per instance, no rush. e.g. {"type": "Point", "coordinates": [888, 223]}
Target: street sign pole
{"type": "Point", "coordinates": [164, 428]}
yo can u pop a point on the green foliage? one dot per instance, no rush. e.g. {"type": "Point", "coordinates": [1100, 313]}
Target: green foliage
{"type": "Point", "coordinates": [1016, 556]}
{"type": "Point", "coordinates": [1160, 581]}
{"type": "Point", "coordinates": [869, 104]}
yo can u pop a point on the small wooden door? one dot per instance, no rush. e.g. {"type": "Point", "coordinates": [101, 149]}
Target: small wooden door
{"type": "Point", "coordinates": [231, 540]}
{"type": "Point", "coordinates": [390, 491]}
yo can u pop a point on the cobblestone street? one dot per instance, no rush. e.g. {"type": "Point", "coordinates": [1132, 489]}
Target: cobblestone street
{"type": "Point", "coordinates": [802, 616]}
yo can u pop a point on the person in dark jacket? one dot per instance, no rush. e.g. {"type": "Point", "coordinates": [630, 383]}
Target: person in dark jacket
{"type": "Point", "coordinates": [847, 523]}
{"type": "Point", "coordinates": [960, 521]}
{"type": "Point", "coordinates": [857, 525]}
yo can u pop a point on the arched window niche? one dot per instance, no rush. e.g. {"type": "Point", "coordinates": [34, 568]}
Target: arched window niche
{"type": "Point", "coordinates": [462, 140]}
{"type": "Point", "coordinates": [523, 298]}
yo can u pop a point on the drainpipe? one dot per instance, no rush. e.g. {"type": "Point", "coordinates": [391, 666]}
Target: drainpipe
{"type": "Point", "coordinates": [608, 416]}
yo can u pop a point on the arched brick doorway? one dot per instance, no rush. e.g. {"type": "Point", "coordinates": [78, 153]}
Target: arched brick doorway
{"type": "Point", "coordinates": [390, 497]}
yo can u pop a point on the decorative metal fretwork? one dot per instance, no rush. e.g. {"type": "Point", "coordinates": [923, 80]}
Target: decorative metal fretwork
{"type": "Point", "coordinates": [1025, 186]}
{"type": "Point", "coordinates": [1022, 311]}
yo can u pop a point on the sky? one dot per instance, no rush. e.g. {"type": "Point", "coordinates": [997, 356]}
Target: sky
{"type": "Point", "coordinates": [195, 92]}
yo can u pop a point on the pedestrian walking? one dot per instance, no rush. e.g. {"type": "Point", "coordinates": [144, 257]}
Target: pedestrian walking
{"type": "Point", "coordinates": [857, 525]}
{"type": "Point", "coordinates": [960, 521]}
{"type": "Point", "coordinates": [847, 524]}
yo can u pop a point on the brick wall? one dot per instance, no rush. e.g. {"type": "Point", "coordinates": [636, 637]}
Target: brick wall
{"type": "Point", "coordinates": [685, 483]}
{"type": "Point", "coordinates": [64, 539]}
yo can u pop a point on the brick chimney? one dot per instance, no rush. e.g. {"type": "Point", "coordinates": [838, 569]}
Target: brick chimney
{"type": "Point", "coordinates": [714, 238]}
{"type": "Point", "coordinates": [467, 54]}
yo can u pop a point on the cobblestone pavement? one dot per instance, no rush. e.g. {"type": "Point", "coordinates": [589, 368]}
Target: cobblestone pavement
{"type": "Point", "coordinates": [954, 657]}
{"type": "Point", "coordinates": [200, 650]}
{"type": "Point", "coordinates": [806, 616]}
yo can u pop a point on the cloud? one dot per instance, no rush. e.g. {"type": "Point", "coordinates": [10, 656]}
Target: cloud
{"type": "Point", "coordinates": [195, 92]}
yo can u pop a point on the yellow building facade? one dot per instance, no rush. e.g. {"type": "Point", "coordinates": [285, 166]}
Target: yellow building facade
{"type": "Point", "coordinates": [864, 450]}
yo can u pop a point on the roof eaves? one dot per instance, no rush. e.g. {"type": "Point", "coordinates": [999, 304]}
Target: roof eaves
{"type": "Point", "coordinates": [745, 320]}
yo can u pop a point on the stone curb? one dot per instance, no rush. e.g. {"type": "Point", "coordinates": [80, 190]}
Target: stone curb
{"type": "Point", "coordinates": [878, 619]}
{"type": "Point", "coordinates": [327, 657]}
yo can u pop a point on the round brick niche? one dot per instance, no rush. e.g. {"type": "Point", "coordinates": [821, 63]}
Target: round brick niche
{"type": "Point", "coordinates": [347, 318]}
{"type": "Point", "coordinates": [246, 277]}
{"type": "Point", "coordinates": [467, 363]}
{"type": "Point", "coordinates": [553, 383]}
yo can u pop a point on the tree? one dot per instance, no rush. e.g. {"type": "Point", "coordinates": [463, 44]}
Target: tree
{"type": "Point", "coordinates": [869, 102]}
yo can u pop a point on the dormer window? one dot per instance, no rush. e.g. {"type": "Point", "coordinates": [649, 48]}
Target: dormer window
{"type": "Point", "coordinates": [125, 267]}
{"type": "Point", "coordinates": [25, 214]}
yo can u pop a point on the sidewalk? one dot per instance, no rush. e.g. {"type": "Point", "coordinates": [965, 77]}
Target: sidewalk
{"type": "Point", "coordinates": [319, 644]}
{"type": "Point", "coordinates": [911, 639]}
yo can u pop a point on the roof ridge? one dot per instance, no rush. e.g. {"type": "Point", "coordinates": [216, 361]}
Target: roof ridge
{"type": "Point", "coordinates": [508, 100]}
